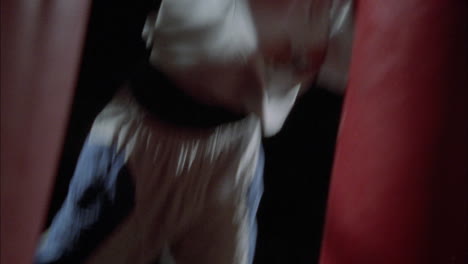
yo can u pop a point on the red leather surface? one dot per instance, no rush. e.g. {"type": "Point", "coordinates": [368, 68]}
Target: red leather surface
{"type": "Point", "coordinates": [40, 54]}
{"type": "Point", "coordinates": [400, 181]}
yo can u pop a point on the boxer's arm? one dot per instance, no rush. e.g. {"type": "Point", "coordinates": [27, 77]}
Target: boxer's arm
{"type": "Point", "coordinates": [333, 73]}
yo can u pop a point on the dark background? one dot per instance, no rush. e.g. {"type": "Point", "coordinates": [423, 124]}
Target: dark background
{"type": "Point", "coordinates": [298, 159]}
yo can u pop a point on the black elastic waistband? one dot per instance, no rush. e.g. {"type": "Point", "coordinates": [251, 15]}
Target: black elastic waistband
{"type": "Point", "coordinates": [154, 91]}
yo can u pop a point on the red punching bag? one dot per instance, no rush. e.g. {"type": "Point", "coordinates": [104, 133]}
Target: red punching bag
{"type": "Point", "coordinates": [399, 190]}
{"type": "Point", "coordinates": [40, 53]}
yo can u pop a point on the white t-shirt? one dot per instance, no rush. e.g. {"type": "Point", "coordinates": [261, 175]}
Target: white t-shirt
{"type": "Point", "coordinates": [251, 55]}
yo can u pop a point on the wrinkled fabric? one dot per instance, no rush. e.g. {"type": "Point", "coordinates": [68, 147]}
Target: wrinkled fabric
{"type": "Point", "coordinates": [263, 52]}
{"type": "Point", "coordinates": [193, 191]}
{"type": "Point", "coordinates": [100, 196]}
